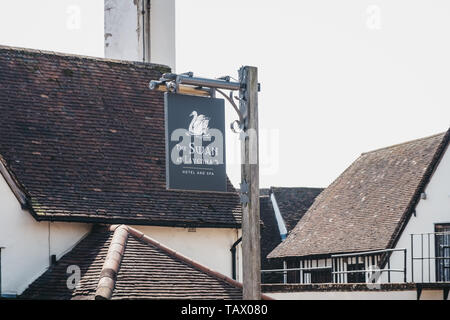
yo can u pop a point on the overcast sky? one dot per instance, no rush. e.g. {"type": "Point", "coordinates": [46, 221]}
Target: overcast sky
{"type": "Point", "coordinates": [338, 77]}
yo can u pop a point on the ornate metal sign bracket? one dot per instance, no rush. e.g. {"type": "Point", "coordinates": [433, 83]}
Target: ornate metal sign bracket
{"type": "Point", "coordinates": [186, 83]}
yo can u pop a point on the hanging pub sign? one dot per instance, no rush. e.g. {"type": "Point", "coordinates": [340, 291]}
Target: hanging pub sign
{"type": "Point", "coordinates": [195, 143]}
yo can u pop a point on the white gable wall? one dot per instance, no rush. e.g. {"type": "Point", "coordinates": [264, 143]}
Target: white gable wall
{"type": "Point", "coordinates": [122, 30]}
{"type": "Point", "coordinates": [26, 245]}
{"type": "Point", "coordinates": [208, 246]}
{"type": "Point", "coordinates": [435, 209]}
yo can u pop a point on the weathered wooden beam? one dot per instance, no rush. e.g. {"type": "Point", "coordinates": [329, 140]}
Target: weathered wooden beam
{"type": "Point", "coordinates": [250, 177]}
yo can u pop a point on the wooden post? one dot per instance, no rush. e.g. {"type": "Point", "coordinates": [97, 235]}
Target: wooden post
{"type": "Point", "coordinates": [250, 178]}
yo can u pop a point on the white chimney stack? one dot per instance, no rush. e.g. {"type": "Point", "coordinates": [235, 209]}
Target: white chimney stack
{"type": "Point", "coordinates": [140, 30]}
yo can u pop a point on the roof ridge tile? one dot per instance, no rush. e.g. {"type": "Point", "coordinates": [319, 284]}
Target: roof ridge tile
{"type": "Point", "coordinates": [84, 57]}
{"type": "Point", "coordinates": [406, 142]}
{"type": "Point", "coordinates": [111, 266]}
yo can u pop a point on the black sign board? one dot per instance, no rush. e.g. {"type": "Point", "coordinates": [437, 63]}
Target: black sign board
{"type": "Point", "coordinates": [195, 143]}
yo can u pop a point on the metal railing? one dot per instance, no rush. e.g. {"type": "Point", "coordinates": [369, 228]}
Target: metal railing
{"type": "Point", "coordinates": [429, 263]}
{"type": "Point", "coordinates": [374, 263]}
{"type": "Point", "coordinates": [432, 250]}
{"type": "Point", "coordinates": [361, 267]}
{"type": "Point", "coordinates": [286, 271]}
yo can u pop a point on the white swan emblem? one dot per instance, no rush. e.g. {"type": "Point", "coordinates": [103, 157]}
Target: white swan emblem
{"type": "Point", "coordinates": [199, 124]}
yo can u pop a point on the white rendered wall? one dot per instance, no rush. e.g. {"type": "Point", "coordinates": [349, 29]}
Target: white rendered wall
{"type": "Point", "coordinates": [208, 246]}
{"type": "Point", "coordinates": [26, 245]}
{"type": "Point", "coordinates": [124, 29]}
{"type": "Point", "coordinates": [435, 209]}
{"type": "Point", "coordinates": [121, 30]}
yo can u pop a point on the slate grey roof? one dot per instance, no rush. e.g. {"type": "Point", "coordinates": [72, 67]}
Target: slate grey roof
{"type": "Point", "coordinates": [294, 202]}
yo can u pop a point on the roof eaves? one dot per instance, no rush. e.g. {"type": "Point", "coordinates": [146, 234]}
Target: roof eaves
{"type": "Point", "coordinates": [14, 184]}
{"type": "Point", "coordinates": [160, 67]}
{"type": "Point", "coordinates": [133, 221]}
{"type": "Point", "coordinates": [401, 144]}
{"type": "Point", "coordinates": [321, 255]}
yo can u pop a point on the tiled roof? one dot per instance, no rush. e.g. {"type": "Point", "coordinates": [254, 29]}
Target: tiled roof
{"type": "Point", "coordinates": [369, 204]}
{"type": "Point", "coordinates": [294, 202]}
{"type": "Point", "coordinates": [84, 139]}
{"type": "Point", "coordinates": [143, 269]}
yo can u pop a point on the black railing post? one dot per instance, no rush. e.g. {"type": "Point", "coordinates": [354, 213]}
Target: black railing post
{"type": "Point", "coordinates": [339, 270]}
{"type": "Point", "coordinates": [333, 270]}
{"type": "Point", "coordinates": [421, 258]}
{"type": "Point", "coordinates": [412, 257]}
{"type": "Point", "coordinates": [303, 272]}
{"type": "Point", "coordinates": [404, 265]}
{"type": "Point", "coordinates": [300, 271]}
{"type": "Point", "coordinates": [389, 269]}
{"type": "Point", "coordinates": [429, 259]}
